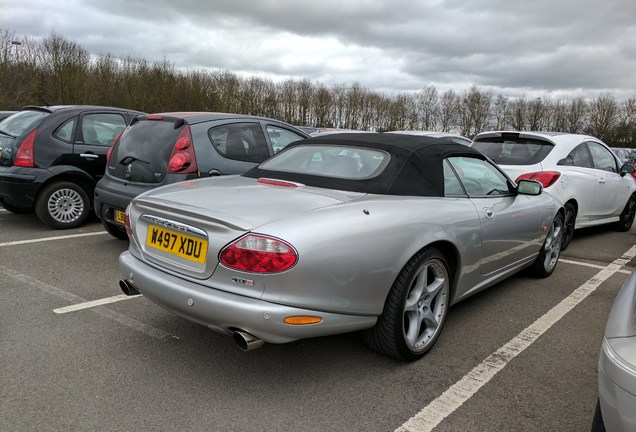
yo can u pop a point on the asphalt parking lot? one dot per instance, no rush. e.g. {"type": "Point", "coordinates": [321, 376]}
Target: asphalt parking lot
{"type": "Point", "coordinates": [78, 356]}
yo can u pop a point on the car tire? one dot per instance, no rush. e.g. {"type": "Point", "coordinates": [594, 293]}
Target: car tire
{"type": "Point", "coordinates": [115, 230]}
{"type": "Point", "coordinates": [568, 225]}
{"type": "Point", "coordinates": [551, 248]}
{"type": "Point", "coordinates": [627, 216]}
{"type": "Point", "coordinates": [16, 210]}
{"type": "Point", "coordinates": [597, 422]}
{"type": "Point", "coordinates": [63, 205]}
{"type": "Point", "coordinates": [415, 309]}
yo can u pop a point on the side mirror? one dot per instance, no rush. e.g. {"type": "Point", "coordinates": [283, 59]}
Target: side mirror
{"type": "Point", "coordinates": [529, 187]}
{"type": "Point", "coordinates": [627, 169]}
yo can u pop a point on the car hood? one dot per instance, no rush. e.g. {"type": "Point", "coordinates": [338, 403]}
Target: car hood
{"type": "Point", "coordinates": [239, 202]}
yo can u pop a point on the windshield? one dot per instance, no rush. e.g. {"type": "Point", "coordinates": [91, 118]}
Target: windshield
{"type": "Point", "coordinates": [329, 161]}
{"type": "Point", "coordinates": [21, 122]}
{"type": "Point", "coordinates": [513, 151]}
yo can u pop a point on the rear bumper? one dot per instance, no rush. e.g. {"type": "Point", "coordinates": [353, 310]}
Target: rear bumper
{"type": "Point", "coordinates": [226, 312]}
{"type": "Point", "coordinates": [111, 195]}
{"type": "Point", "coordinates": [19, 186]}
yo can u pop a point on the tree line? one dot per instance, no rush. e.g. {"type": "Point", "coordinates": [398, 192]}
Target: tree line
{"type": "Point", "coordinates": [56, 70]}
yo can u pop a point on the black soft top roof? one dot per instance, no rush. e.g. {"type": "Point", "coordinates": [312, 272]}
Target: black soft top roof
{"type": "Point", "coordinates": [415, 167]}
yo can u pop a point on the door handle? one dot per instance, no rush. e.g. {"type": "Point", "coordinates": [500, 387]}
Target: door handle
{"type": "Point", "coordinates": [489, 213]}
{"type": "Point", "coordinates": [89, 155]}
{"type": "Point", "coordinates": [601, 180]}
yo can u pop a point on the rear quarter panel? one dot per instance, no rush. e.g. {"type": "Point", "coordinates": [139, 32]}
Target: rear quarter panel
{"type": "Point", "coordinates": [348, 259]}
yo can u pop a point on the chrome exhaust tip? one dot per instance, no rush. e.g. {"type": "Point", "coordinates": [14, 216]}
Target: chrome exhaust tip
{"type": "Point", "coordinates": [246, 341]}
{"type": "Point", "coordinates": [128, 288]}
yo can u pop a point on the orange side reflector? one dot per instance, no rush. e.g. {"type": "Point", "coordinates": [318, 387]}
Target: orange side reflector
{"type": "Point", "coordinates": [302, 320]}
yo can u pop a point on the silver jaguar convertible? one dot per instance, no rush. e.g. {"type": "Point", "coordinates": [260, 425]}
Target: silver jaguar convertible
{"type": "Point", "coordinates": [339, 233]}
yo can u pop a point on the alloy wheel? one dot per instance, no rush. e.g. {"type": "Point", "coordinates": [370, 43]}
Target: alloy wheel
{"type": "Point", "coordinates": [426, 305]}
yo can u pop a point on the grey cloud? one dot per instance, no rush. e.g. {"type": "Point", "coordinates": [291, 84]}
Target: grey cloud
{"type": "Point", "coordinates": [539, 46]}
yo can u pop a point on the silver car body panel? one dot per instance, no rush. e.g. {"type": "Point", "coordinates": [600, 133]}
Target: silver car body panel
{"type": "Point", "coordinates": [617, 362]}
{"type": "Point", "coordinates": [350, 245]}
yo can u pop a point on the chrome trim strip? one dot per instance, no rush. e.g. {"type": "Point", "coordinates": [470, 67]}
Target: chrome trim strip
{"type": "Point", "coordinates": [175, 226]}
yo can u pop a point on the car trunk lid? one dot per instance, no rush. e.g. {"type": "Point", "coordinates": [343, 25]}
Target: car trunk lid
{"type": "Point", "coordinates": [205, 215]}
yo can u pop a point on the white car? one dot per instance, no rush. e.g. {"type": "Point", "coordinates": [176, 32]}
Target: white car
{"type": "Point", "coordinates": [580, 171]}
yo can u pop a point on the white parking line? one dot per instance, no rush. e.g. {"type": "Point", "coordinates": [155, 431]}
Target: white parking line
{"type": "Point", "coordinates": [94, 303]}
{"type": "Point", "coordinates": [455, 396]}
{"type": "Point", "coordinates": [72, 298]}
{"type": "Point", "coordinates": [584, 264]}
{"type": "Point", "coordinates": [43, 239]}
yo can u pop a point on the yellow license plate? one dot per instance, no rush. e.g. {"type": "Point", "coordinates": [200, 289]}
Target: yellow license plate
{"type": "Point", "coordinates": [119, 216]}
{"type": "Point", "coordinates": [176, 243]}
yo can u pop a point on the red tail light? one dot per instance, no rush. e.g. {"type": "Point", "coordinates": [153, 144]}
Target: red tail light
{"type": "Point", "coordinates": [127, 220]}
{"type": "Point", "coordinates": [183, 160]}
{"type": "Point", "coordinates": [259, 254]}
{"type": "Point", "coordinates": [546, 178]}
{"type": "Point", "coordinates": [110, 150]}
{"type": "Point", "coordinates": [24, 155]}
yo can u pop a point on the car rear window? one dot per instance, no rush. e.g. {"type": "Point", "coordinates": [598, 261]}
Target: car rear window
{"type": "Point", "coordinates": [513, 151]}
{"type": "Point", "coordinates": [143, 151]}
{"type": "Point", "coordinates": [329, 161]}
{"type": "Point", "coordinates": [23, 121]}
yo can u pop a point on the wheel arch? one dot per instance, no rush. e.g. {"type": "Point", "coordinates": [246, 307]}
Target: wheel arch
{"type": "Point", "coordinates": [451, 253]}
{"type": "Point", "coordinates": [80, 178]}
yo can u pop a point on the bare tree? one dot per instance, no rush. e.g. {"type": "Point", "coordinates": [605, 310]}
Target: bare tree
{"type": "Point", "coordinates": [500, 112]}
{"type": "Point", "coordinates": [602, 117]}
{"type": "Point", "coordinates": [428, 108]}
{"type": "Point", "coordinates": [449, 108]}
{"type": "Point", "coordinates": [576, 115]}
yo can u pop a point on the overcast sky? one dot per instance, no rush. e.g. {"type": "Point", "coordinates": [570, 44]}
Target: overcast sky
{"type": "Point", "coordinates": [550, 48]}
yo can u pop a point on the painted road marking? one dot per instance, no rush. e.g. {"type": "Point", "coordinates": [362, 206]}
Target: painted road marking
{"type": "Point", "coordinates": [90, 304]}
{"type": "Point", "coordinates": [20, 242]}
{"type": "Point", "coordinates": [455, 396]}
{"type": "Point", "coordinates": [596, 266]}
{"type": "Point", "coordinates": [72, 298]}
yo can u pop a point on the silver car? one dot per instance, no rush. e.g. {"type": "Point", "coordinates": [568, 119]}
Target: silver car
{"type": "Point", "coordinates": [339, 233]}
{"type": "Point", "coordinates": [616, 411]}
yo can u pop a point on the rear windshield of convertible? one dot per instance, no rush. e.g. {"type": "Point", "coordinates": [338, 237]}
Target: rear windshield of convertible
{"type": "Point", "coordinates": [329, 161]}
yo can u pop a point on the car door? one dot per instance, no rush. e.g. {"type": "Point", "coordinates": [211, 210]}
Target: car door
{"type": "Point", "coordinates": [511, 224]}
{"type": "Point", "coordinates": [579, 179]}
{"type": "Point", "coordinates": [611, 190]}
{"type": "Point", "coordinates": [96, 133]}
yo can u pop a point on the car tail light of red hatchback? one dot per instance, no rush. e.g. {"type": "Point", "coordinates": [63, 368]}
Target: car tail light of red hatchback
{"type": "Point", "coordinates": [259, 254]}
{"type": "Point", "coordinates": [546, 178]}
{"type": "Point", "coordinates": [24, 155]}
{"type": "Point", "coordinates": [183, 160]}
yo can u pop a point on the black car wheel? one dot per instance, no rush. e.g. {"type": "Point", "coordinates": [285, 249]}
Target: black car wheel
{"type": "Point", "coordinates": [548, 257]}
{"type": "Point", "coordinates": [415, 309]}
{"type": "Point", "coordinates": [63, 205]}
{"type": "Point", "coordinates": [568, 225]}
{"type": "Point", "coordinates": [16, 210]}
{"type": "Point", "coordinates": [627, 216]}
{"type": "Point", "coordinates": [115, 230]}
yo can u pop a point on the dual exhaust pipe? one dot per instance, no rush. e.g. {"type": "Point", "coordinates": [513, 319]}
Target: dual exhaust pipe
{"type": "Point", "coordinates": [244, 340]}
